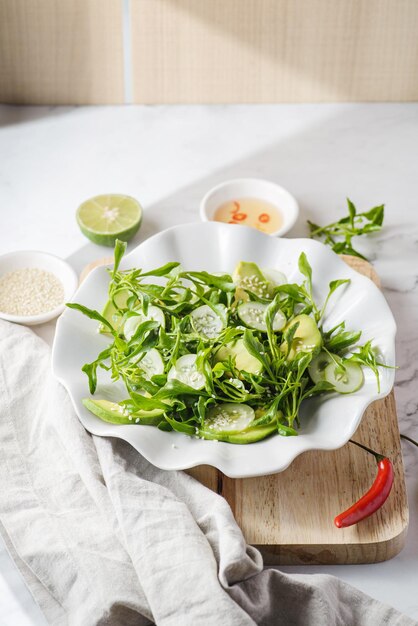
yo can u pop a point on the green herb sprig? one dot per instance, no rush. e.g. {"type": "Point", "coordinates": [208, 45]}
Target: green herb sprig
{"type": "Point", "coordinates": [339, 235]}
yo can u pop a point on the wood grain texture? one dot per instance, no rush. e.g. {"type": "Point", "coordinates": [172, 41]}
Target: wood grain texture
{"type": "Point", "coordinates": [233, 51]}
{"type": "Point", "coordinates": [61, 52]}
{"type": "Point", "coordinates": [289, 516]}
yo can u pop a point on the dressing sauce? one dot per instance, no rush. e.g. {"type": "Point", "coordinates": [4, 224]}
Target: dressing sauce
{"type": "Point", "coordinates": [254, 212]}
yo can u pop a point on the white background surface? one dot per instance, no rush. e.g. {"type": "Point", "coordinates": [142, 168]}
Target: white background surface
{"type": "Point", "coordinates": [168, 157]}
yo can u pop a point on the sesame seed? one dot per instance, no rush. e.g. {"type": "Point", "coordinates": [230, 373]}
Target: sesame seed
{"type": "Point", "coordinates": [30, 291]}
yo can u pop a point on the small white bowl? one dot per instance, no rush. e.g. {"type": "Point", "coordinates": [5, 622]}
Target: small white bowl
{"type": "Point", "coordinates": [41, 260]}
{"type": "Point", "coordinates": [252, 188]}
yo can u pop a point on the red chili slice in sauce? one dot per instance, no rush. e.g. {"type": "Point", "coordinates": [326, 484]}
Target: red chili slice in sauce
{"type": "Point", "coordinates": [236, 207]}
{"type": "Point", "coordinates": [240, 216]}
{"type": "Point", "coordinates": [264, 218]}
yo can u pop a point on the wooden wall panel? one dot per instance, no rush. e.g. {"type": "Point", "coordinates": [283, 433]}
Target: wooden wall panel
{"type": "Point", "coordinates": [274, 50]}
{"type": "Point", "coordinates": [61, 51]}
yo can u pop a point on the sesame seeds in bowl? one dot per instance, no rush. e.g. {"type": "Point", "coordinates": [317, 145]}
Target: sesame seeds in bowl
{"type": "Point", "coordinates": [34, 286]}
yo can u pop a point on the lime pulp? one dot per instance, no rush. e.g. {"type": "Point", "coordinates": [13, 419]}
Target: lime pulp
{"type": "Point", "coordinates": [108, 217]}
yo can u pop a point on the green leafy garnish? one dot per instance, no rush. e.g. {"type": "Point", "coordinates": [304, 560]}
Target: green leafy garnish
{"type": "Point", "coordinates": [339, 234]}
{"type": "Point", "coordinates": [120, 249]}
{"type": "Point", "coordinates": [181, 351]}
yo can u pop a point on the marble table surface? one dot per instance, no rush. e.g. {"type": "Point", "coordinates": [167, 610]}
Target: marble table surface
{"type": "Point", "coordinates": [168, 157]}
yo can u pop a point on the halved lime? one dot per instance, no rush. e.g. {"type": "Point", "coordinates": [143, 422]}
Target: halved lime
{"type": "Point", "coordinates": [103, 219]}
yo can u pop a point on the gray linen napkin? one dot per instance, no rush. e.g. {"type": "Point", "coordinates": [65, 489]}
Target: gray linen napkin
{"type": "Point", "coordinates": [103, 537]}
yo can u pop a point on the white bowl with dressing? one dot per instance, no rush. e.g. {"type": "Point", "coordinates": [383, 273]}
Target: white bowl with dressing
{"type": "Point", "coordinates": [232, 192]}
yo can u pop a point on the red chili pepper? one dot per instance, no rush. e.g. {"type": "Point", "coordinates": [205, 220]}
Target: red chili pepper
{"type": "Point", "coordinates": [237, 207]}
{"type": "Point", "coordinates": [239, 216]}
{"type": "Point", "coordinates": [264, 218]}
{"type": "Point", "coordinates": [374, 498]}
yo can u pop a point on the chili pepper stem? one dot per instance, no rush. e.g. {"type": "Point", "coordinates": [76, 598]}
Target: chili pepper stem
{"type": "Point", "coordinates": [377, 456]}
{"type": "Point", "coordinates": [409, 439]}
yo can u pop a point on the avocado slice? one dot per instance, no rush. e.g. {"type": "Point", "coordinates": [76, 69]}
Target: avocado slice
{"type": "Point", "coordinates": [114, 414]}
{"type": "Point", "coordinates": [248, 276]}
{"type": "Point", "coordinates": [249, 435]}
{"type": "Point", "coordinates": [243, 359]}
{"type": "Point", "coordinates": [112, 314]}
{"type": "Point", "coordinates": [307, 337]}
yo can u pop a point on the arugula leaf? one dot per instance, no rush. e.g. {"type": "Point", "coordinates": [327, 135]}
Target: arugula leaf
{"type": "Point", "coordinates": [270, 414]}
{"type": "Point", "coordinates": [288, 336]}
{"type": "Point", "coordinates": [367, 356]}
{"type": "Point", "coordinates": [286, 431]}
{"type": "Point", "coordinates": [92, 314]}
{"type": "Point", "coordinates": [342, 340]}
{"type": "Point", "coordinates": [351, 211]}
{"type": "Point", "coordinates": [223, 282]}
{"type": "Point", "coordinates": [201, 408]}
{"type": "Point", "coordinates": [302, 362]}
{"type": "Point", "coordinates": [142, 330]}
{"type": "Point", "coordinates": [256, 349]}
{"type": "Point", "coordinates": [271, 312]}
{"type": "Point", "coordinates": [333, 286]}
{"type": "Point", "coordinates": [120, 248]}
{"type": "Point", "coordinates": [162, 271]}
{"type": "Point", "coordinates": [181, 427]}
{"type": "Point", "coordinates": [322, 387]}
{"type": "Point", "coordinates": [376, 215]}
{"type": "Point", "coordinates": [293, 291]}
{"type": "Point", "coordinates": [91, 368]}
{"type": "Point", "coordinates": [339, 234]}
{"type": "Point", "coordinates": [305, 269]}
{"type": "Point", "coordinates": [146, 404]}
{"type": "Point", "coordinates": [175, 388]}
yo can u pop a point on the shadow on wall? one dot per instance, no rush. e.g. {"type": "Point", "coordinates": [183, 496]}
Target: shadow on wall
{"type": "Point", "coordinates": [61, 52]}
{"type": "Point", "coordinates": [20, 114]}
{"type": "Point", "coordinates": [274, 51]}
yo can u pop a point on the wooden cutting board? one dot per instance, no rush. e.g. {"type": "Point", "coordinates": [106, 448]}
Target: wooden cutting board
{"type": "Point", "coordinates": [289, 516]}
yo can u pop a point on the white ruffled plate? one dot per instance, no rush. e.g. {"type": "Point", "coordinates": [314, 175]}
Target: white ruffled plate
{"type": "Point", "coordinates": [327, 422]}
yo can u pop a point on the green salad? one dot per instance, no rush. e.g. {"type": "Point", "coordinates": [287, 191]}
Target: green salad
{"type": "Point", "coordinates": [222, 357]}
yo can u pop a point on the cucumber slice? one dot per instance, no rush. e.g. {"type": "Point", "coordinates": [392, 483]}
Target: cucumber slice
{"type": "Point", "coordinates": [152, 363]}
{"type": "Point", "coordinates": [347, 381]}
{"type": "Point", "coordinates": [232, 423]}
{"type": "Point", "coordinates": [206, 322]}
{"type": "Point", "coordinates": [249, 435]}
{"type": "Point", "coordinates": [186, 372]}
{"type": "Point", "coordinates": [253, 314]}
{"type": "Point", "coordinates": [117, 414]}
{"type": "Point", "coordinates": [229, 417]}
{"type": "Point", "coordinates": [318, 365]}
{"type": "Point", "coordinates": [275, 277]}
{"type": "Point", "coordinates": [154, 313]}
{"type": "Point", "coordinates": [307, 337]}
{"type": "Point", "coordinates": [244, 361]}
